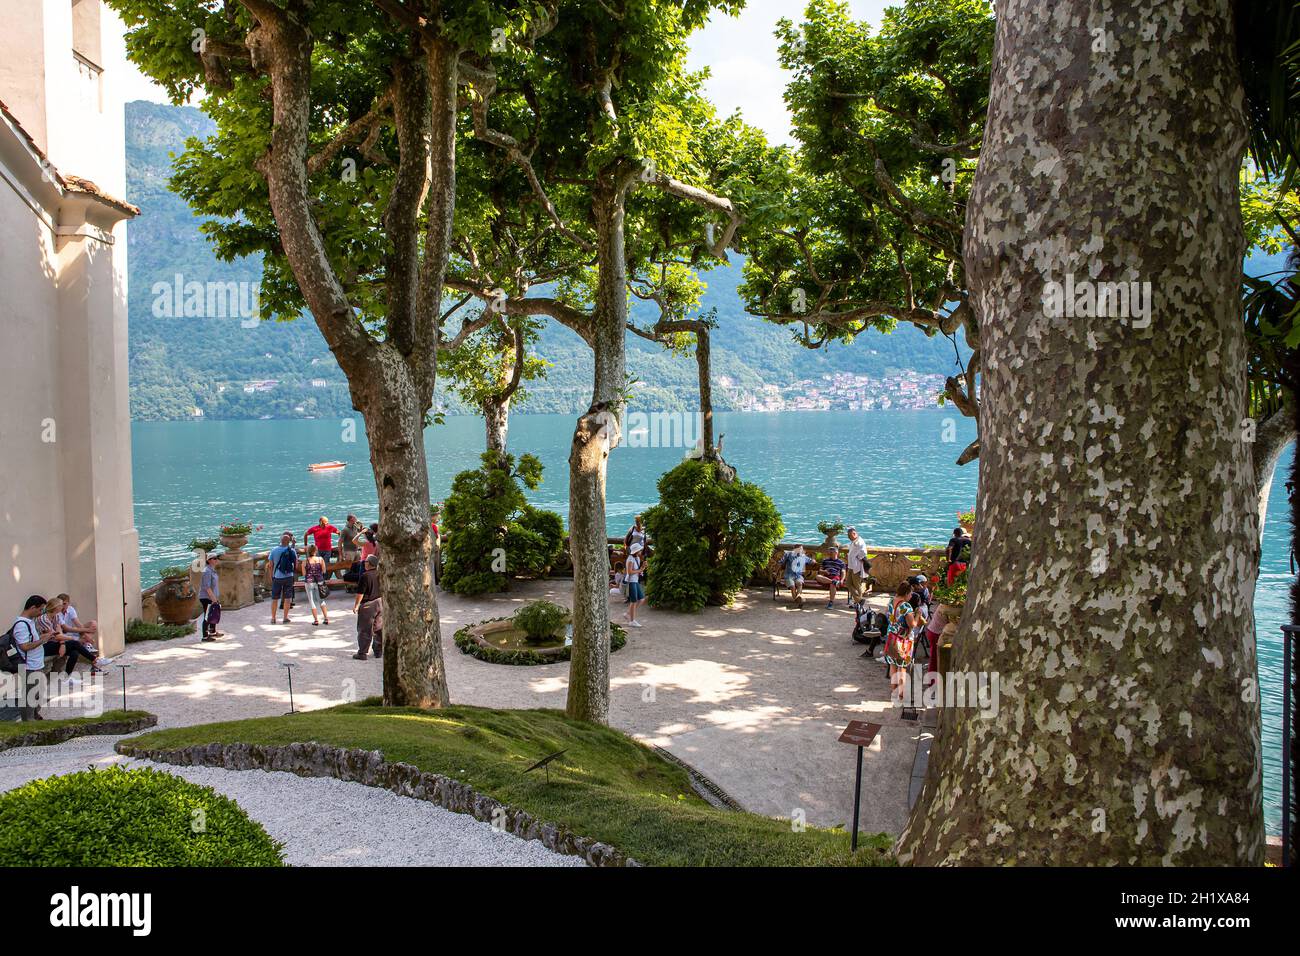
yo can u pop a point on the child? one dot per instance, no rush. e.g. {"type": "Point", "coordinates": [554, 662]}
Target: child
{"type": "Point", "coordinates": [616, 586]}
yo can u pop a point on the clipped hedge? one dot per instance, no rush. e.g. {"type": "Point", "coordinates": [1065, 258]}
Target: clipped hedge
{"type": "Point", "coordinates": [120, 817]}
{"type": "Point", "coordinates": [495, 655]}
{"type": "Point", "coordinates": [493, 533]}
{"type": "Point", "coordinates": [710, 534]}
{"type": "Point", "coordinates": [139, 630]}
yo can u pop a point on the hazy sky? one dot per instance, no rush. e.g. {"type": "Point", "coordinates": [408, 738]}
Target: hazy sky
{"type": "Point", "coordinates": [741, 52]}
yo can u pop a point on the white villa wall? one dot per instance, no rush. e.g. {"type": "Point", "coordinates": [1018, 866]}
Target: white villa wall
{"type": "Point", "coordinates": [66, 514]}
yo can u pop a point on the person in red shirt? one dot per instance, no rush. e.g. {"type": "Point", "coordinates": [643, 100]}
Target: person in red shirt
{"type": "Point", "coordinates": [322, 535]}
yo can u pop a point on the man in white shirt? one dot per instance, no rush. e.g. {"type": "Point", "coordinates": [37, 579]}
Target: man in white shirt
{"type": "Point", "coordinates": [32, 643]}
{"type": "Point", "coordinates": [859, 567]}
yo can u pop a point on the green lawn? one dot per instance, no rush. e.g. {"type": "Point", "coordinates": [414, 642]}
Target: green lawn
{"type": "Point", "coordinates": [606, 786]}
{"type": "Point", "coordinates": [10, 728]}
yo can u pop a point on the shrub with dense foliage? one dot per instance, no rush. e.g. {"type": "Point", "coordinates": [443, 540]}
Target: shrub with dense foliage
{"type": "Point", "coordinates": [541, 620]}
{"type": "Point", "coordinates": [139, 630]}
{"type": "Point", "coordinates": [709, 536]}
{"type": "Point", "coordinates": [119, 817]}
{"type": "Point", "coordinates": [492, 533]}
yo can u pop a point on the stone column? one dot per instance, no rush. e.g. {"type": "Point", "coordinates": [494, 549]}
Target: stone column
{"type": "Point", "coordinates": [235, 582]}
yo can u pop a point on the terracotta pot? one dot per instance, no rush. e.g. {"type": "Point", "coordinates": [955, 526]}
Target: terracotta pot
{"type": "Point", "coordinates": [234, 542]}
{"type": "Point", "coordinates": [178, 602]}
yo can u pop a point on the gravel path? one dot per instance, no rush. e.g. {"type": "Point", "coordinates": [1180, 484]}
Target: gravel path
{"type": "Point", "coordinates": [321, 821]}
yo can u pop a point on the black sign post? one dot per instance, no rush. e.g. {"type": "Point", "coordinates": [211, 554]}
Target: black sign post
{"type": "Point", "coordinates": [860, 734]}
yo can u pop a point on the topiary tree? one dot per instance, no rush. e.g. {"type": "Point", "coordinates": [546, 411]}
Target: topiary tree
{"type": "Point", "coordinates": [119, 817]}
{"type": "Point", "coordinates": [493, 533]}
{"type": "Point", "coordinates": [709, 533]}
{"type": "Point", "coordinates": [542, 621]}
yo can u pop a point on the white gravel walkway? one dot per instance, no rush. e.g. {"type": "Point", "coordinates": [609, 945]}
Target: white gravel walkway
{"type": "Point", "coordinates": [321, 821]}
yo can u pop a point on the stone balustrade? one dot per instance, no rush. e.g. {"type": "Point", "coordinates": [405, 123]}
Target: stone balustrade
{"type": "Point", "coordinates": [889, 566]}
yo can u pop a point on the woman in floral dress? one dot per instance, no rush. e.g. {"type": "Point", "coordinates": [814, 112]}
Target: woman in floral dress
{"type": "Point", "coordinates": [903, 622]}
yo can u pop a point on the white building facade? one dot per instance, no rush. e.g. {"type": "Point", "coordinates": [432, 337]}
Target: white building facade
{"type": "Point", "coordinates": [66, 515]}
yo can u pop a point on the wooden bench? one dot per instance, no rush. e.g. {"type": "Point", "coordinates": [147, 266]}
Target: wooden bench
{"type": "Point", "coordinates": [810, 582]}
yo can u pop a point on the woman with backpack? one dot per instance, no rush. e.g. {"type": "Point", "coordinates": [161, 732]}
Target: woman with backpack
{"type": "Point", "coordinates": [313, 577]}
{"type": "Point", "coordinates": [903, 622]}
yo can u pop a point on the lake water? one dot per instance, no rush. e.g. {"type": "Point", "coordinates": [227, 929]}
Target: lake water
{"type": "Point", "coordinates": [190, 477]}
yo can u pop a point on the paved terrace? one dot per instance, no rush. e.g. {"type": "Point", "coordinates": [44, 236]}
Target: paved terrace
{"type": "Point", "coordinates": [754, 695]}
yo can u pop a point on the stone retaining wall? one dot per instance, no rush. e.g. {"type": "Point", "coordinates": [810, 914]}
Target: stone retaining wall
{"type": "Point", "coordinates": [369, 767]}
{"type": "Point", "coordinates": [45, 736]}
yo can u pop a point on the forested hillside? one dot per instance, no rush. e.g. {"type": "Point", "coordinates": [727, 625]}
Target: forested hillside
{"type": "Point", "coordinates": [180, 364]}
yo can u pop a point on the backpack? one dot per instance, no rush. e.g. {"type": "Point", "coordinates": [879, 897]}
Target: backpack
{"type": "Point", "coordinates": [11, 658]}
{"type": "Point", "coordinates": [287, 562]}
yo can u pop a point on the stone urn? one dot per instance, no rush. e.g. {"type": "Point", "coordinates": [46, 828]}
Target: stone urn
{"type": "Point", "coordinates": [178, 602]}
{"type": "Point", "coordinates": [234, 542]}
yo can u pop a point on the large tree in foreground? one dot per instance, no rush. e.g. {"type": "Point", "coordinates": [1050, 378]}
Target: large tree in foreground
{"type": "Point", "coordinates": [334, 159]}
{"type": "Point", "coordinates": [1113, 584]}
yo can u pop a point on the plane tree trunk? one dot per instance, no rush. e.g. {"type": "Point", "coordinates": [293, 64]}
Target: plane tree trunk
{"type": "Point", "coordinates": [391, 379]}
{"type": "Point", "coordinates": [597, 432]}
{"type": "Point", "coordinates": [1112, 585]}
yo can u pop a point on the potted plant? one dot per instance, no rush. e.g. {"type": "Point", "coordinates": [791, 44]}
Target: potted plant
{"type": "Point", "coordinates": [542, 621]}
{"type": "Point", "coordinates": [178, 602]}
{"type": "Point", "coordinates": [234, 535]}
{"type": "Point", "coordinates": [205, 545]}
{"type": "Point", "coordinates": [967, 520]}
{"type": "Point", "coordinates": [952, 598]}
{"type": "Point", "coordinates": [830, 529]}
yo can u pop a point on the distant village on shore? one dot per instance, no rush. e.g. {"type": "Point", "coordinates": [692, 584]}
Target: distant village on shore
{"type": "Point", "coordinates": [838, 390]}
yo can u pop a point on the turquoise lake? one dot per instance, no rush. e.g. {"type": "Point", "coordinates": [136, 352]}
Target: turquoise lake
{"type": "Point", "coordinates": [190, 477]}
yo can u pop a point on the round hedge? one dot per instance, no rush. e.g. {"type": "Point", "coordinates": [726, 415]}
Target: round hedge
{"type": "Point", "coordinates": [120, 817]}
{"type": "Point", "coordinates": [495, 655]}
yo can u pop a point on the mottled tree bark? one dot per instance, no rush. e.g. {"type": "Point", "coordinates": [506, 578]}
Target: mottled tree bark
{"type": "Point", "coordinates": [496, 422]}
{"type": "Point", "coordinates": [596, 434]}
{"type": "Point", "coordinates": [703, 365]}
{"type": "Point", "coordinates": [1273, 436]}
{"type": "Point", "coordinates": [1112, 585]}
{"type": "Point", "coordinates": [391, 380]}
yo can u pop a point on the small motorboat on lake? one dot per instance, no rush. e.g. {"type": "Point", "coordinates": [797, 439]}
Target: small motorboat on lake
{"type": "Point", "coordinates": [327, 466]}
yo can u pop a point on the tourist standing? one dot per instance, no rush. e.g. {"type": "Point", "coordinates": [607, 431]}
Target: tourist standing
{"type": "Point", "coordinates": [959, 549]}
{"type": "Point", "coordinates": [635, 534]}
{"type": "Point", "coordinates": [32, 644]}
{"type": "Point", "coordinates": [903, 622]}
{"type": "Point", "coordinates": [435, 515]}
{"type": "Point", "coordinates": [313, 579]}
{"type": "Point", "coordinates": [370, 618]}
{"type": "Point", "coordinates": [210, 600]}
{"type": "Point", "coordinates": [632, 578]}
{"type": "Point", "coordinates": [321, 535]}
{"type": "Point", "coordinates": [934, 635]}
{"type": "Point", "coordinates": [831, 574]}
{"type": "Point", "coordinates": [858, 567]}
{"type": "Point", "coordinates": [348, 540]}
{"type": "Point", "coordinates": [284, 571]}
{"type": "Point", "coordinates": [793, 563]}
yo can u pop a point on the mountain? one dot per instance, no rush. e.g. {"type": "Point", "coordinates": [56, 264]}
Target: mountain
{"type": "Point", "coordinates": [228, 368]}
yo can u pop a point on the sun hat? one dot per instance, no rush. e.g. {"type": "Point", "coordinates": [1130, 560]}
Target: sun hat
{"type": "Point", "coordinates": [635, 549]}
